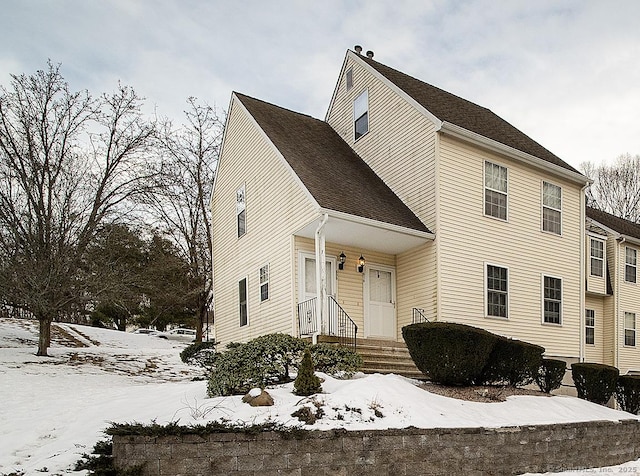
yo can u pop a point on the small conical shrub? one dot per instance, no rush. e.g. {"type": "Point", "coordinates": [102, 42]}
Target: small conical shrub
{"type": "Point", "coordinates": [306, 382]}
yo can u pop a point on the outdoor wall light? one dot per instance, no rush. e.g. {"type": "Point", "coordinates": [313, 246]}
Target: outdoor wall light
{"type": "Point", "coordinates": [361, 262]}
{"type": "Point", "coordinates": [341, 259]}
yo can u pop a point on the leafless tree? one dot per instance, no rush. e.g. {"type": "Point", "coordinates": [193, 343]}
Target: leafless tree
{"type": "Point", "coordinates": [616, 187]}
{"type": "Point", "coordinates": [180, 201]}
{"type": "Point", "coordinates": [69, 164]}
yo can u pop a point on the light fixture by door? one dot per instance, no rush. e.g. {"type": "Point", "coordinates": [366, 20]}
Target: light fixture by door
{"type": "Point", "coordinates": [341, 259]}
{"type": "Point", "coordinates": [361, 263]}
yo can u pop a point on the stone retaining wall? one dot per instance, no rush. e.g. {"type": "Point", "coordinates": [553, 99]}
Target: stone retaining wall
{"type": "Point", "coordinates": [412, 451]}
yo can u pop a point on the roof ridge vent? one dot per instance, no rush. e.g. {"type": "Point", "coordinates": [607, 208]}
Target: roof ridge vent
{"type": "Point", "coordinates": [370, 54]}
{"type": "Point", "coordinates": [358, 49]}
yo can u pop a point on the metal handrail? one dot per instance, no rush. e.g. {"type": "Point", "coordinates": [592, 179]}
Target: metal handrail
{"type": "Point", "coordinates": [418, 316]}
{"type": "Point", "coordinates": [347, 330]}
{"type": "Point", "coordinates": [307, 322]}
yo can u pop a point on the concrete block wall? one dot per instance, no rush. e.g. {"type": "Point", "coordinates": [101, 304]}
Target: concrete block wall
{"type": "Point", "coordinates": [412, 451]}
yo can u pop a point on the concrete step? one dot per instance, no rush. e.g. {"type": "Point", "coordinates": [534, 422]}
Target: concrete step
{"type": "Point", "coordinates": [380, 356]}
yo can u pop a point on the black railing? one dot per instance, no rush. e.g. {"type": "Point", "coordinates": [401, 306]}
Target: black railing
{"type": "Point", "coordinates": [346, 329]}
{"type": "Point", "coordinates": [418, 315]}
{"type": "Point", "coordinates": [339, 323]}
{"type": "Point", "coordinates": [307, 322]}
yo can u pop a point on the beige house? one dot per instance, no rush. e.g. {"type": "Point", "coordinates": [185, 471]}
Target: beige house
{"type": "Point", "coordinates": [406, 203]}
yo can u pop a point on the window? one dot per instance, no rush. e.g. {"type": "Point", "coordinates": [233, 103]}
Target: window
{"type": "Point", "coordinates": [552, 300]}
{"type": "Point", "coordinates": [361, 114]}
{"type": "Point", "coordinates": [264, 283]}
{"type": "Point", "coordinates": [497, 291]}
{"type": "Point", "coordinates": [241, 214]}
{"type": "Point", "coordinates": [551, 208]}
{"type": "Point", "coordinates": [349, 78]}
{"type": "Point", "coordinates": [630, 329]}
{"type": "Point", "coordinates": [590, 326]}
{"type": "Point", "coordinates": [630, 262]}
{"type": "Point", "coordinates": [242, 299]}
{"type": "Point", "coordinates": [495, 190]}
{"type": "Point", "coordinates": [597, 257]}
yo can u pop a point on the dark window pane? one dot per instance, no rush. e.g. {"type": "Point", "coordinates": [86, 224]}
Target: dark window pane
{"type": "Point", "coordinates": [362, 125]}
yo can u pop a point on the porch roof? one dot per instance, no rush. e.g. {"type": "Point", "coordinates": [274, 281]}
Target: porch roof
{"type": "Point", "coordinates": [333, 173]}
{"type": "Point", "coordinates": [365, 234]}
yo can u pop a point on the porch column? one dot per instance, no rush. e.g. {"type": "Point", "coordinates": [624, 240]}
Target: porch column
{"type": "Point", "coordinates": [321, 276]}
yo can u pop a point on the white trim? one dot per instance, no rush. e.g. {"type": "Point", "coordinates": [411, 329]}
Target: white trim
{"type": "Point", "coordinates": [625, 328]}
{"type": "Point", "coordinates": [590, 327]}
{"type": "Point", "coordinates": [560, 324]}
{"type": "Point", "coordinates": [591, 257]}
{"type": "Point", "coordinates": [301, 276]}
{"type": "Point", "coordinates": [354, 118]}
{"type": "Point", "coordinates": [543, 206]}
{"type": "Point", "coordinates": [499, 147]}
{"type": "Point", "coordinates": [486, 291]}
{"type": "Point", "coordinates": [624, 270]}
{"type": "Point", "coordinates": [367, 298]}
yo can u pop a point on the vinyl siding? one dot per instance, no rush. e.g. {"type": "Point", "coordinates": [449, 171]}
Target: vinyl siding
{"type": "Point", "coordinates": [400, 143]}
{"type": "Point", "coordinates": [468, 240]}
{"type": "Point", "coordinates": [271, 218]}
{"type": "Point", "coordinates": [628, 300]}
{"type": "Point", "coordinates": [416, 279]}
{"type": "Point", "coordinates": [595, 352]}
{"type": "Point", "coordinates": [610, 307]}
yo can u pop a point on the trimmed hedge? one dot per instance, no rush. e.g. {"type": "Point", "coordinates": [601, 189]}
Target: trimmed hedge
{"type": "Point", "coordinates": [628, 393]}
{"type": "Point", "coordinates": [551, 374]}
{"type": "Point", "coordinates": [201, 354]}
{"type": "Point", "coordinates": [449, 353]}
{"type": "Point", "coordinates": [595, 382]}
{"type": "Point", "coordinates": [335, 360]}
{"type": "Point", "coordinates": [512, 362]}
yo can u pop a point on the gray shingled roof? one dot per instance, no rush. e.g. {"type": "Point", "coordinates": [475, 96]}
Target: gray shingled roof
{"type": "Point", "coordinates": [332, 172]}
{"type": "Point", "coordinates": [456, 110]}
{"type": "Point", "coordinates": [620, 225]}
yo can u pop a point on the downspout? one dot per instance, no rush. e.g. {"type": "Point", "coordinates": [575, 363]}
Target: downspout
{"type": "Point", "coordinates": [583, 274]}
{"type": "Point", "coordinates": [321, 278]}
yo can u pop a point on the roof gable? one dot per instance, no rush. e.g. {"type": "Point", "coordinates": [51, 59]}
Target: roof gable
{"type": "Point", "coordinates": [617, 224]}
{"type": "Point", "coordinates": [455, 110]}
{"type": "Point", "coordinates": [332, 172]}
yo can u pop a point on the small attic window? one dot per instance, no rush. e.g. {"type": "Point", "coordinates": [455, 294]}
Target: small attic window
{"type": "Point", "coordinates": [349, 78]}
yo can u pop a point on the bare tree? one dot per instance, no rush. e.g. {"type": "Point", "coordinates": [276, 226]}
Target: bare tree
{"type": "Point", "coordinates": [616, 187]}
{"type": "Point", "coordinates": [180, 202]}
{"type": "Point", "coordinates": [69, 164]}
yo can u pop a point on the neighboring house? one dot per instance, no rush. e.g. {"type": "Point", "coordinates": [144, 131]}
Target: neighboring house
{"type": "Point", "coordinates": [456, 214]}
{"type": "Point", "coordinates": [612, 295]}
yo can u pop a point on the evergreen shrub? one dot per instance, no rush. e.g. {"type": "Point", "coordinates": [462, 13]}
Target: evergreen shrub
{"type": "Point", "coordinates": [628, 393]}
{"type": "Point", "coordinates": [550, 374]}
{"type": "Point", "coordinates": [449, 353]}
{"type": "Point", "coordinates": [335, 360]}
{"type": "Point", "coordinates": [201, 354]}
{"type": "Point", "coordinates": [595, 382]}
{"type": "Point", "coordinates": [512, 362]}
{"type": "Point", "coordinates": [306, 383]}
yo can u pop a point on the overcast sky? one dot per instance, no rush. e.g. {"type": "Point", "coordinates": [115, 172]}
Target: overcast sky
{"type": "Point", "coordinates": [567, 73]}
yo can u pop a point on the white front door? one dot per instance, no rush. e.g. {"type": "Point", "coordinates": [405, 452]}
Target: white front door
{"type": "Point", "coordinates": [380, 302]}
{"type": "Point", "coordinates": [307, 275]}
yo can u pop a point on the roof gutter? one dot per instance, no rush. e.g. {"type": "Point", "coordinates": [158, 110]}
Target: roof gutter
{"type": "Point", "coordinates": [495, 146]}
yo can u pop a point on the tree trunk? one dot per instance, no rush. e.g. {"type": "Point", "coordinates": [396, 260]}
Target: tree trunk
{"type": "Point", "coordinates": [44, 337]}
{"type": "Point", "coordinates": [200, 319]}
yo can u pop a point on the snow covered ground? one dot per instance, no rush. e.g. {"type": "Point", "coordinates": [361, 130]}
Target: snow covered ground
{"type": "Point", "coordinates": [53, 409]}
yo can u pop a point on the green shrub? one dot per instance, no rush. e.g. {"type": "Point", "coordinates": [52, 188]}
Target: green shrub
{"type": "Point", "coordinates": [628, 393]}
{"type": "Point", "coordinates": [306, 383]}
{"type": "Point", "coordinates": [550, 374]}
{"type": "Point", "coordinates": [100, 462]}
{"type": "Point", "coordinates": [335, 360]}
{"type": "Point", "coordinates": [201, 354]}
{"type": "Point", "coordinates": [277, 354]}
{"type": "Point", "coordinates": [512, 362]}
{"type": "Point", "coordinates": [448, 353]}
{"type": "Point", "coordinates": [595, 382]}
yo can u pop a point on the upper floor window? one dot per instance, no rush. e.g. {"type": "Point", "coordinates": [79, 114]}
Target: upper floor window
{"type": "Point", "coordinates": [551, 208]}
{"type": "Point", "coordinates": [597, 258]}
{"type": "Point", "coordinates": [630, 328]}
{"type": "Point", "coordinates": [497, 291]}
{"type": "Point", "coordinates": [590, 326]}
{"type": "Point", "coordinates": [630, 264]}
{"type": "Point", "coordinates": [264, 283]}
{"type": "Point", "coordinates": [495, 190]}
{"type": "Point", "coordinates": [361, 114]}
{"type": "Point", "coordinates": [243, 307]}
{"type": "Point", "coordinates": [241, 213]}
{"type": "Point", "coordinates": [349, 78]}
{"type": "Point", "coordinates": [552, 313]}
